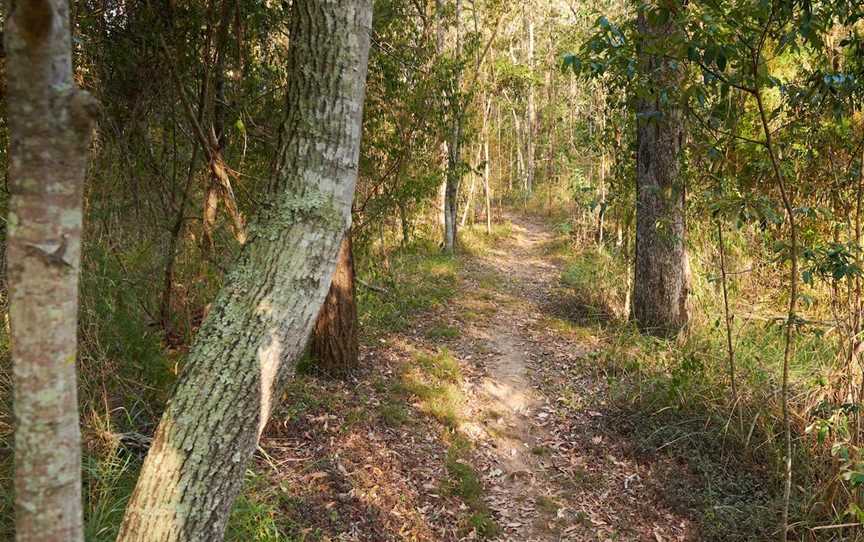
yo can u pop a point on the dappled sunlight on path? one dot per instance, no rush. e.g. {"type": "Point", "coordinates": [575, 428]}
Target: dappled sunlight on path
{"type": "Point", "coordinates": [550, 473]}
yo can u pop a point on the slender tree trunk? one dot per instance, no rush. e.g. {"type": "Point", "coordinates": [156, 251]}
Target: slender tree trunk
{"type": "Point", "coordinates": [440, 34]}
{"type": "Point", "coordinates": [471, 189]}
{"type": "Point", "coordinates": [487, 171]}
{"type": "Point", "coordinates": [520, 161]}
{"type": "Point", "coordinates": [334, 341]}
{"type": "Point", "coordinates": [454, 156]}
{"type": "Point", "coordinates": [50, 124]}
{"type": "Point", "coordinates": [662, 274]}
{"type": "Point", "coordinates": [262, 318]}
{"type": "Point", "coordinates": [451, 194]}
{"type": "Point", "coordinates": [404, 222]}
{"type": "Point", "coordinates": [173, 241]}
{"type": "Point", "coordinates": [219, 186]}
{"type": "Point", "coordinates": [601, 213]}
{"type": "Point", "coordinates": [531, 113]}
{"type": "Point", "coordinates": [730, 349]}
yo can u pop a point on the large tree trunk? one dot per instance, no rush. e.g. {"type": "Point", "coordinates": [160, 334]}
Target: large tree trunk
{"type": "Point", "coordinates": [50, 123]}
{"type": "Point", "coordinates": [334, 342]}
{"type": "Point", "coordinates": [662, 273]}
{"type": "Point", "coordinates": [261, 319]}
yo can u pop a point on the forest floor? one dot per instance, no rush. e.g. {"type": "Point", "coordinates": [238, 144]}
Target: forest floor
{"type": "Point", "coordinates": [481, 419]}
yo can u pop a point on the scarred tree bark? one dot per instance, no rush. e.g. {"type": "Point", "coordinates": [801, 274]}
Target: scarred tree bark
{"type": "Point", "coordinates": [262, 318]}
{"type": "Point", "coordinates": [662, 274]}
{"type": "Point", "coordinates": [334, 342]}
{"type": "Point", "coordinates": [50, 122]}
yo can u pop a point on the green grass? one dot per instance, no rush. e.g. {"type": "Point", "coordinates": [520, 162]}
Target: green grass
{"type": "Point", "coordinates": [256, 516]}
{"type": "Point", "coordinates": [464, 482]}
{"type": "Point", "coordinates": [108, 483]}
{"type": "Point", "coordinates": [442, 331]}
{"type": "Point", "coordinates": [420, 277]}
{"type": "Point", "coordinates": [675, 397]}
{"type": "Point", "coordinates": [436, 382]}
{"type": "Point", "coordinates": [594, 280]}
{"type": "Point", "coordinates": [393, 414]}
{"type": "Point", "coordinates": [474, 239]}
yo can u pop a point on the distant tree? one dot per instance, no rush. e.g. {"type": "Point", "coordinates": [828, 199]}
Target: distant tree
{"type": "Point", "coordinates": [49, 122]}
{"type": "Point", "coordinates": [262, 318]}
{"type": "Point", "coordinates": [453, 174]}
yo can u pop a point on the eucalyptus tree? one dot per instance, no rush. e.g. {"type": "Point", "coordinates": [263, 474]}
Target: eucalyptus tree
{"type": "Point", "coordinates": [734, 47]}
{"type": "Point", "coordinates": [639, 58]}
{"type": "Point", "coordinates": [455, 168]}
{"type": "Point", "coordinates": [662, 272]}
{"type": "Point", "coordinates": [261, 319]}
{"type": "Point", "coordinates": [50, 124]}
{"type": "Point", "coordinates": [335, 343]}
{"type": "Point", "coordinates": [756, 81]}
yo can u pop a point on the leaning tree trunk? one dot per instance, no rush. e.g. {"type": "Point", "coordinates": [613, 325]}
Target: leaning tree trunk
{"type": "Point", "coordinates": [50, 122]}
{"type": "Point", "coordinates": [662, 272]}
{"type": "Point", "coordinates": [334, 341]}
{"type": "Point", "coordinates": [261, 319]}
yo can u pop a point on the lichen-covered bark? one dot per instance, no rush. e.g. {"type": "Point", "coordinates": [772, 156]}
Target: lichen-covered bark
{"type": "Point", "coordinates": [49, 128]}
{"type": "Point", "coordinates": [334, 341]}
{"type": "Point", "coordinates": [662, 274]}
{"type": "Point", "coordinates": [262, 318]}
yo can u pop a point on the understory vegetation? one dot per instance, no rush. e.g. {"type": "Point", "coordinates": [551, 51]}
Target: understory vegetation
{"type": "Point", "coordinates": [432, 270]}
{"type": "Point", "coordinates": [674, 398]}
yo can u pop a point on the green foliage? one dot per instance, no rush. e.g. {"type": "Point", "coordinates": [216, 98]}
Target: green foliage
{"type": "Point", "coordinates": [109, 480]}
{"type": "Point", "coordinates": [465, 483]}
{"type": "Point", "coordinates": [419, 277]}
{"type": "Point", "coordinates": [254, 519]}
{"type": "Point", "coordinates": [597, 296]}
{"type": "Point", "coordinates": [118, 336]}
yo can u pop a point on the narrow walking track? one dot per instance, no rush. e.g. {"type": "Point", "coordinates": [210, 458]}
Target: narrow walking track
{"type": "Point", "coordinates": [553, 468]}
{"type": "Point", "coordinates": [370, 460]}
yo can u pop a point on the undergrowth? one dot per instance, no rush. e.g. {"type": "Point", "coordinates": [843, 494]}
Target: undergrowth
{"type": "Point", "coordinates": [675, 398]}
{"type": "Point", "coordinates": [126, 372]}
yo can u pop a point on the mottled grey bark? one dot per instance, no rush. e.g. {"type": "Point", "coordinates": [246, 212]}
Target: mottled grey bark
{"type": "Point", "coordinates": [262, 318]}
{"type": "Point", "coordinates": [662, 274]}
{"type": "Point", "coordinates": [50, 123]}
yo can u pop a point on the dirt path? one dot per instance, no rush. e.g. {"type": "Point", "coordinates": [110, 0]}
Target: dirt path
{"type": "Point", "coordinates": [377, 458]}
{"type": "Point", "coordinates": [553, 468]}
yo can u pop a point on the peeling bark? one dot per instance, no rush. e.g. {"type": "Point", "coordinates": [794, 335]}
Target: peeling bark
{"type": "Point", "coordinates": [50, 124]}
{"type": "Point", "coordinates": [260, 322]}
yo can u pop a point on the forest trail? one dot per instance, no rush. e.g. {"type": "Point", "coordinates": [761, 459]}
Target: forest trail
{"type": "Point", "coordinates": [481, 418]}
{"type": "Point", "coordinates": [553, 467]}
